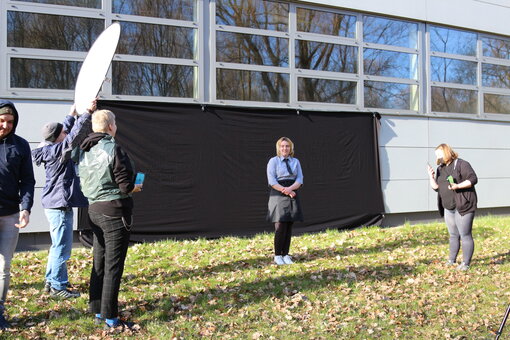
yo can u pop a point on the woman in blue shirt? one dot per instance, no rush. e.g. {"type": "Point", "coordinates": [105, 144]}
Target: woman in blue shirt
{"type": "Point", "coordinates": [284, 176]}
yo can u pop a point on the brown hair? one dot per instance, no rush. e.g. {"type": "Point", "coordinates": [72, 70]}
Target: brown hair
{"type": "Point", "coordinates": [449, 154]}
{"type": "Point", "coordinates": [284, 139]}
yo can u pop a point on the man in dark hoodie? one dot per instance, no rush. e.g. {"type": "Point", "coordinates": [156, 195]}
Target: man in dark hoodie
{"type": "Point", "coordinates": [107, 179]}
{"type": "Point", "coordinates": [16, 189]}
{"type": "Point", "coordinates": [61, 194]}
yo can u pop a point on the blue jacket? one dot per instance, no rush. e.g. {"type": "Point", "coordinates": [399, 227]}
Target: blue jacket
{"type": "Point", "coordinates": [62, 187]}
{"type": "Point", "coordinates": [16, 172]}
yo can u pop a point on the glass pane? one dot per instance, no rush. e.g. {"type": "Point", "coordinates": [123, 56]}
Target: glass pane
{"type": "Point", "coordinates": [168, 9]}
{"type": "Point", "coordinates": [44, 74]}
{"type": "Point", "coordinates": [54, 32]}
{"type": "Point", "coordinates": [496, 76]}
{"type": "Point", "coordinates": [77, 3]}
{"type": "Point", "coordinates": [144, 79]}
{"type": "Point", "coordinates": [326, 91]}
{"type": "Point", "coordinates": [454, 100]}
{"type": "Point", "coordinates": [157, 40]}
{"type": "Point", "coordinates": [390, 64]}
{"type": "Point", "coordinates": [252, 85]}
{"type": "Point", "coordinates": [390, 32]}
{"type": "Point", "coordinates": [493, 103]}
{"type": "Point", "coordinates": [341, 25]}
{"type": "Point", "coordinates": [269, 15]}
{"type": "Point", "coordinates": [391, 95]}
{"type": "Point", "coordinates": [252, 49]}
{"type": "Point", "coordinates": [453, 71]}
{"type": "Point", "coordinates": [452, 41]}
{"type": "Point", "coordinates": [313, 55]}
{"type": "Point", "coordinates": [496, 48]}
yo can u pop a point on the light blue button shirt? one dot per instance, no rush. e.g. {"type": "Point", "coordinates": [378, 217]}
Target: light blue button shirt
{"type": "Point", "coordinates": [277, 170]}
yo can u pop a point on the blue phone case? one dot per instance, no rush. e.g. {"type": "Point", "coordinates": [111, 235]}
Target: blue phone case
{"type": "Point", "coordinates": [140, 177]}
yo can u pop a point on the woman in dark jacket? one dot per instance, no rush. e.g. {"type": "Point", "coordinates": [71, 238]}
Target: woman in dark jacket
{"type": "Point", "coordinates": [107, 180]}
{"type": "Point", "coordinates": [455, 182]}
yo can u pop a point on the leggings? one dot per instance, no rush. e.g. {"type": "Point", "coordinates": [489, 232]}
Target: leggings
{"type": "Point", "coordinates": [460, 228]}
{"type": "Point", "coordinates": [282, 235]}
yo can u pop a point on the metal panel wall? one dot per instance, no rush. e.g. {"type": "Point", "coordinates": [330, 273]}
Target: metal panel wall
{"type": "Point", "coordinates": [408, 143]}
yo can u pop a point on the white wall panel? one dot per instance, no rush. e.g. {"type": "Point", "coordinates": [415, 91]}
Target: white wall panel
{"type": "Point", "coordinates": [403, 131]}
{"type": "Point", "coordinates": [33, 115]}
{"type": "Point", "coordinates": [403, 163]}
{"type": "Point", "coordinates": [493, 193]}
{"type": "Point", "coordinates": [406, 196]}
{"type": "Point", "coordinates": [469, 134]}
{"type": "Point", "coordinates": [487, 15]}
{"type": "Point", "coordinates": [406, 143]}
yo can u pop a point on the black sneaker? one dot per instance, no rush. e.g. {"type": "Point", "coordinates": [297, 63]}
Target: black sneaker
{"type": "Point", "coordinates": [63, 294]}
{"type": "Point", "coordinates": [3, 323]}
{"type": "Point", "coordinates": [121, 326]}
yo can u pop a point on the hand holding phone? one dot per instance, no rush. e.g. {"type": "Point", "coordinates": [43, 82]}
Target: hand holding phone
{"type": "Point", "coordinates": [140, 178]}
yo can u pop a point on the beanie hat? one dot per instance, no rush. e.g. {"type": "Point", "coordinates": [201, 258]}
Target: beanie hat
{"type": "Point", "coordinates": [51, 131]}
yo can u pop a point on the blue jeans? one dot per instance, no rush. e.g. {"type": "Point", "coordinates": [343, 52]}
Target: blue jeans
{"type": "Point", "coordinates": [8, 241]}
{"type": "Point", "coordinates": [61, 232]}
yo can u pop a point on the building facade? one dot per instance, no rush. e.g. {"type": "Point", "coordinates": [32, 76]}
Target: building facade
{"type": "Point", "coordinates": [437, 71]}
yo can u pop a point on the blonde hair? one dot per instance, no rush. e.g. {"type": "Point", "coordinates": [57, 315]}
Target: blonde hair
{"type": "Point", "coordinates": [449, 154]}
{"type": "Point", "coordinates": [101, 120]}
{"type": "Point", "coordinates": [284, 139]}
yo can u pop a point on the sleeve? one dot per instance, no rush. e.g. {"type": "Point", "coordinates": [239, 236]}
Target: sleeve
{"type": "Point", "coordinates": [27, 180]}
{"type": "Point", "coordinates": [271, 172]}
{"type": "Point", "coordinates": [77, 134]}
{"type": "Point", "coordinates": [299, 177]}
{"type": "Point", "coordinates": [468, 173]}
{"type": "Point", "coordinates": [68, 123]}
{"type": "Point", "coordinates": [123, 171]}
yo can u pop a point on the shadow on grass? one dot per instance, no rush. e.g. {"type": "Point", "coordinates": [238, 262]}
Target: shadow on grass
{"type": "Point", "coordinates": [281, 287]}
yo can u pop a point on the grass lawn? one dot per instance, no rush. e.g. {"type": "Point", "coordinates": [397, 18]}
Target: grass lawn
{"type": "Point", "coordinates": [366, 283]}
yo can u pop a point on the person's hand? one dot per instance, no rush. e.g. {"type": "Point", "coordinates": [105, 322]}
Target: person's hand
{"type": "Point", "coordinates": [92, 106]}
{"type": "Point", "coordinates": [137, 188]}
{"type": "Point", "coordinates": [453, 186]}
{"type": "Point", "coordinates": [292, 194]}
{"type": "Point", "coordinates": [24, 218]}
{"type": "Point", "coordinates": [431, 171]}
{"type": "Point", "coordinates": [286, 191]}
{"type": "Point", "coordinates": [72, 111]}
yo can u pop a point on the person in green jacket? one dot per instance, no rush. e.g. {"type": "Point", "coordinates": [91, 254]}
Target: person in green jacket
{"type": "Point", "coordinates": [107, 179]}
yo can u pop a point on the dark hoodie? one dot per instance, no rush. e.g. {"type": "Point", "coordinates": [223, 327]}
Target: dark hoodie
{"type": "Point", "coordinates": [16, 172]}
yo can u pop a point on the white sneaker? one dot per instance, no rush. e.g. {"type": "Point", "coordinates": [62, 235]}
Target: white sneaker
{"type": "Point", "coordinates": [278, 259]}
{"type": "Point", "coordinates": [287, 259]}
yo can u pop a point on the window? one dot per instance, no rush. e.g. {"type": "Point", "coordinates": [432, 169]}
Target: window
{"type": "Point", "coordinates": [157, 54]}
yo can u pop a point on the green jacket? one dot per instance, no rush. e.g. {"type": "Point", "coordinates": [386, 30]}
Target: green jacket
{"type": "Point", "coordinates": [96, 172]}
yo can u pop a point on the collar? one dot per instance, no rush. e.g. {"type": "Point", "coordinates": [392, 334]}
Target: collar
{"type": "Point", "coordinates": [281, 158]}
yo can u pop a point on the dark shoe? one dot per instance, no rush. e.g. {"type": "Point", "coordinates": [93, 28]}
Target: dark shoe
{"type": "Point", "coordinates": [47, 287]}
{"type": "Point", "coordinates": [63, 294]}
{"type": "Point", "coordinates": [3, 323]}
{"type": "Point", "coordinates": [121, 326]}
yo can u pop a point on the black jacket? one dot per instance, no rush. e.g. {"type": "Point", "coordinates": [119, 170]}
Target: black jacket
{"type": "Point", "coordinates": [16, 171]}
{"type": "Point", "coordinates": [465, 199]}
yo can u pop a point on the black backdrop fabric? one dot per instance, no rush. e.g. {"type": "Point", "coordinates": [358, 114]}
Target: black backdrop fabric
{"type": "Point", "coordinates": [206, 168]}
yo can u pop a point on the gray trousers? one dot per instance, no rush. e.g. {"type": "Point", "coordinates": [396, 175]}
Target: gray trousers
{"type": "Point", "coordinates": [8, 241]}
{"type": "Point", "coordinates": [460, 228]}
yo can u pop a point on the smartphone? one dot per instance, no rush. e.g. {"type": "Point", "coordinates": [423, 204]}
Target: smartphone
{"type": "Point", "coordinates": [140, 177]}
{"type": "Point", "coordinates": [450, 179]}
